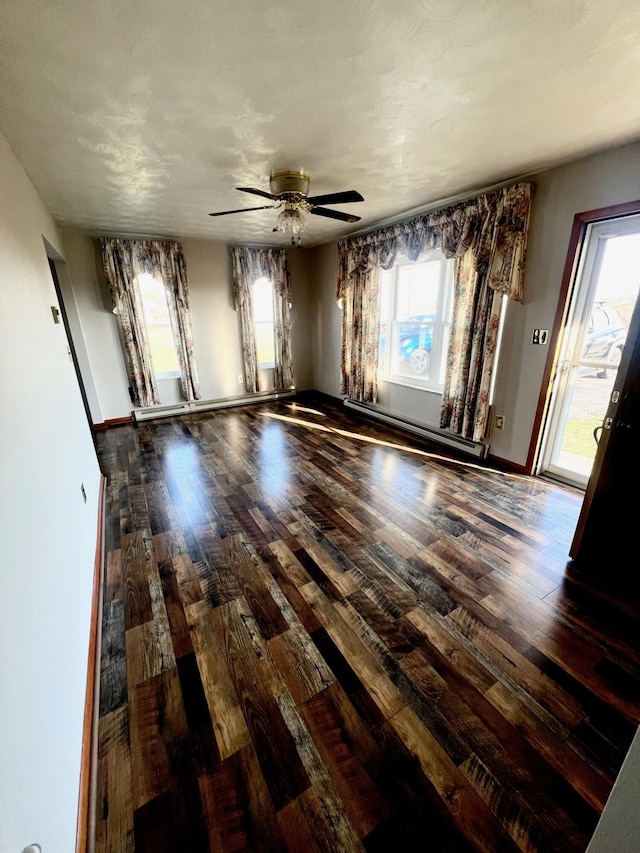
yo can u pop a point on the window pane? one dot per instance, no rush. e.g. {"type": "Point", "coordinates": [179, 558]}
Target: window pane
{"type": "Point", "coordinates": [412, 343]}
{"type": "Point", "coordinates": [416, 310]}
{"type": "Point", "coordinates": [263, 322]}
{"type": "Point", "coordinates": [418, 286]}
{"type": "Point", "coordinates": [264, 344]}
{"type": "Point", "coordinates": [159, 332]}
{"type": "Point", "coordinates": [163, 349]}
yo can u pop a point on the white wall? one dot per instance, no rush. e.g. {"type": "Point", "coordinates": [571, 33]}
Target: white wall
{"type": "Point", "coordinates": [215, 323]}
{"type": "Point", "coordinates": [47, 536]}
{"type": "Point", "coordinates": [608, 178]}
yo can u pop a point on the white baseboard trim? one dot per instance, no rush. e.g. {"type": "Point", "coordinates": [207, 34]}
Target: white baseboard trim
{"type": "Point", "coordinates": [194, 406]}
{"type": "Point", "coordinates": [439, 436]}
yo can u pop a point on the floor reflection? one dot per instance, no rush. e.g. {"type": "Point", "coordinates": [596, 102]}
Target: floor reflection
{"type": "Point", "coordinates": [273, 457]}
{"type": "Point", "coordinates": [519, 496]}
{"type": "Point", "coordinates": [406, 448]}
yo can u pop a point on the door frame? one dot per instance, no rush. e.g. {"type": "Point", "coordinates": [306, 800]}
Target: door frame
{"type": "Point", "coordinates": [581, 221]}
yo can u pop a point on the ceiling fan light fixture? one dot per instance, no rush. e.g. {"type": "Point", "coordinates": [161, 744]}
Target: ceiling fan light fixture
{"type": "Point", "coordinates": [290, 219]}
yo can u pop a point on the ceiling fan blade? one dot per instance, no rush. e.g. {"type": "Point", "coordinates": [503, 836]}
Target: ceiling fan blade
{"type": "Point", "coordinates": [336, 198]}
{"type": "Point", "coordinates": [334, 214]}
{"type": "Point", "coordinates": [256, 192]}
{"type": "Point", "coordinates": [243, 210]}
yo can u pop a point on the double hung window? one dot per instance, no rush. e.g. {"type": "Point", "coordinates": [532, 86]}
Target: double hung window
{"type": "Point", "coordinates": [416, 301]}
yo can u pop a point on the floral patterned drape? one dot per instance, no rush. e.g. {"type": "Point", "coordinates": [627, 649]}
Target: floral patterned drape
{"type": "Point", "coordinates": [487, 235]}
{"type": "Point", "coordinates": [124, 260]}
{"type": "Point", "coordinates": [360, 332]}
{"type": "Point", "coordinates": [174, 275]}
{"type": "Point", "coordinates": [118, 267]}
{"type": "Point", "coordinates": [249, 264]}
{"type": "Point", "coordinates": [471, 353]}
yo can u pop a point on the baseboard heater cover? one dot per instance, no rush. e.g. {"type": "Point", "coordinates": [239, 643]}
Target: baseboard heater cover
{"type": "Point", "coordinates": [440, 436]}
{"type": "Point", "coordinates": [193, 406]}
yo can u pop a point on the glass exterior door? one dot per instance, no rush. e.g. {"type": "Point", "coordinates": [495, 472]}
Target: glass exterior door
{"type": "Point", "coordinates": [604, 298]}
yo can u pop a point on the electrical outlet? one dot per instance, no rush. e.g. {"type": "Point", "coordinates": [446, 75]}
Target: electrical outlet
{"type": "Point", "coordinates": [240, 379]}
{"type": "Point", "coordinates": [499, 421]}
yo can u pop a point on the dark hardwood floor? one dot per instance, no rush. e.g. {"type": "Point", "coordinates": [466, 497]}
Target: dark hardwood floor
{"type": "Point", "coordinates": [318, 636]}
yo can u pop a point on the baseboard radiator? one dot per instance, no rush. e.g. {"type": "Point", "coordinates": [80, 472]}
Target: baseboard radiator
{"type": "Point", "coordinates": [439, 436]}
{"type": "Point", "coordinates": [193, 406]}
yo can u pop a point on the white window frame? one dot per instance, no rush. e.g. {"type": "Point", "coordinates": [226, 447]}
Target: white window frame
{"type": "Point", "coordinates": [441, 326]}
{"type": "Point", "coordinates": [159, 374]}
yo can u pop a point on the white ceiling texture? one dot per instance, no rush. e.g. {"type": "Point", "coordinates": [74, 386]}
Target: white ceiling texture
{"type": "Point", "coordinates": [141, 117]}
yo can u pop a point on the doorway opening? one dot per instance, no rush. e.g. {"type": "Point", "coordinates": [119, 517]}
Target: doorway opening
{"type": "Point", "coordinates": [71, 346]}
{"type": "Point", "coordinates": [598, 309]}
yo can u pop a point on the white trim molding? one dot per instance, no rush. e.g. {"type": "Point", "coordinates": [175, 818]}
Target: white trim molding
{"type": "Point", "coordinates": [435, 434]}
{"type": "Point", "coordinates": [191, 407]}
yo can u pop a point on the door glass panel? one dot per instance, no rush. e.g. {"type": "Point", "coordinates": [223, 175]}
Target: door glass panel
{"type": "Point", "coordinates": [586, 400]}
{"type": "Point", "coordinates": [596, 335]}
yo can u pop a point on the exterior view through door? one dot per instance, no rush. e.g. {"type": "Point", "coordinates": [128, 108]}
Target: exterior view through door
{"type": "Point", "coordinates": [601, 306]}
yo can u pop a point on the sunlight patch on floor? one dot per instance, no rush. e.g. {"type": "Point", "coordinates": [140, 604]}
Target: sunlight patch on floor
{"type": "Point", "coordinates": [404, 447]}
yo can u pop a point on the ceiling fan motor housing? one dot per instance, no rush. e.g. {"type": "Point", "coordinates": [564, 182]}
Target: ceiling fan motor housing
{"type": "Point", "coordinates": [296, 183]}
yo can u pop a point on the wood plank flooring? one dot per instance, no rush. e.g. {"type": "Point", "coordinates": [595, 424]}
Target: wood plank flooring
{"type": "Point", "coordinates": [320, 634]}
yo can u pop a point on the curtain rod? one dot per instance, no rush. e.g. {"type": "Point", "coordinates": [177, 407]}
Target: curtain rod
{"type": "Point", "coordinates": [134, 237]}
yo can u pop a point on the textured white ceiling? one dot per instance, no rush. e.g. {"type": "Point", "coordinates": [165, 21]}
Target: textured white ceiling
{"type": "Point", "coordinates": [141, 117]}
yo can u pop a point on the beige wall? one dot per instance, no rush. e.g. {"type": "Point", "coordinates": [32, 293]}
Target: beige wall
{"type": "Point", "coordinates": [301, 319]}
{"type": "Point", "coordinates": [47, 535]}
{"type": "Point", "coordinates": [599, 181]}
{"type": "Point", "coordinates": [604, 179]}
{"type": "Point", "coordinates": [99, 328]}
{"type": "Point", "coordinates": [216, 329]}
{"type": "Point", "coordinates": [325, 318]}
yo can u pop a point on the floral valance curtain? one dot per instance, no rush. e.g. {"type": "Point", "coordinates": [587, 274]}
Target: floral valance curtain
{"type": "Point", "coordinates": [487, 236]}
{"type": "Point", "coordinates": [124, 260]}
{"type": "Point", "coordinates": [250, 264]}
{"type": "Point", "coordinates": [493, 226]}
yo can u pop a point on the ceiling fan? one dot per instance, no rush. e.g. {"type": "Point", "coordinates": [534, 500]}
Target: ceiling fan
{"type": "Point", "coordinates": [289, 191]}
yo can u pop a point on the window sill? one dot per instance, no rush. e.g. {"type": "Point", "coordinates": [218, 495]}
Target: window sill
{"type": "Point", "coordinates": [390, 380]}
